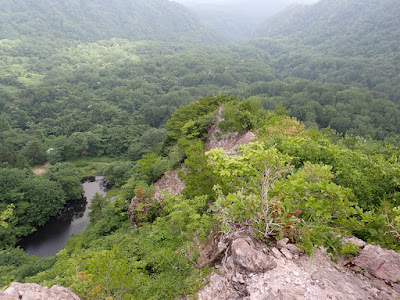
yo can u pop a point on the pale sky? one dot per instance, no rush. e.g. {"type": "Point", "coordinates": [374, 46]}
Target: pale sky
{"type": "Point", "coordinates": [244, 1]}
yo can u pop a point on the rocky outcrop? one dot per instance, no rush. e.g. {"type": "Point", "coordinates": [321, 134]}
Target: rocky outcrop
{"type": "Point", "coordinates": [250, 259]}
{"type": "Point", "coordinates": [33, 291]}
{"type": "Point", "coordinates": [228, 141]}
{"type": "Point", "coordinates": [379, 263]}
{"type": "Point", "coordinates": [256, 272]}
{"type": "Point", "coordinates": [170, 183]}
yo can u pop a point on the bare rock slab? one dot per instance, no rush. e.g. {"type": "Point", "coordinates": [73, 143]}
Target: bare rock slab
{"type": "Point", "coordinates": [33, 291]}
{"type": "Point", "coordinates": [381, 263]}
{"type": "Point", "coordinates": [249, 258]}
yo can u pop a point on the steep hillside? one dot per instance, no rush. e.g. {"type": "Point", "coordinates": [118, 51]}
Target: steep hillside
{"type": "Point", "coordinates": [84, 20]}
{"type": "Point", "coordinates": [304, 185]}
{"type": "Point", "coordinates": [238, 20]}
{"type": "Point", "coordinates": [346, 42]}
{"type": "Point", "coordinates": [346, 27]}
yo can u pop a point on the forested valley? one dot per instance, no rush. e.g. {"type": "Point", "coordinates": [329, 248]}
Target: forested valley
{"type": "Point", "coordinates": [128, 89]}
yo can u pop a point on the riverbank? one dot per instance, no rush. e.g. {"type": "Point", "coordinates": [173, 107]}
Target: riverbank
{"type": "Point", "coordinates": [72, 219]}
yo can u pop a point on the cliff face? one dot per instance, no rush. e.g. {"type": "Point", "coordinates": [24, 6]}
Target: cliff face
{"type": "Point", "coordinates": [254, 271]}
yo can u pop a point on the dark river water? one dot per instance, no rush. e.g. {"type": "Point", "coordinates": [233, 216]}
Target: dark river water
{"type": "Point", "coordinates": [72, 219]}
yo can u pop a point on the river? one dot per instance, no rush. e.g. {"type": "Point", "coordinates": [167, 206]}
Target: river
{"type": "Point", "coordinates": [72, 219]}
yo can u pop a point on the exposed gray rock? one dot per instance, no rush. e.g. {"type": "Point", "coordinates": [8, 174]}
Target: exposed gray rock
{"type": "Point", "coordinates": [294, 249]}
{"type": "Point", "coordinates": [229, 141]}
{"type": "Point", "coordinates": [381, 263]}
{"type": "Point", "coordinates": [168, 183]}
{"type": "Point", "coordinates": [249, 258]}
{"type": "Point", "coordinates": [33, 291]}
{"type": "Point", "coordinates": [276, 252]}
{"type": "Point", "coordinates": [219, 288]}
{"type": "Point", "coordinates": [307, 278]}
{"type": "Point", "coordinates": [287, 253]}
{"type": "Point", "coordinates": [282, 243]}
{"type": "Point", "coordinates": [222, 246]}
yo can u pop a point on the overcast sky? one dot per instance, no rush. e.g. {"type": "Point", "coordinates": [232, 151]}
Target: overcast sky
{"type": "Point", "coordinates": [244, 1]}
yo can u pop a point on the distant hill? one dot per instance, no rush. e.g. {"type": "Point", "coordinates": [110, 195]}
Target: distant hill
{"type": "Point", "coordinates": [341, 27]}
{"type": "Point", "coordinates": [92, 20]}
{"type": "Point", "coordinates": [237, 20]}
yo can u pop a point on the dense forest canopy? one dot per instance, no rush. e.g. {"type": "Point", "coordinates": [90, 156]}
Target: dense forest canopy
{"type": "Point", "coordinates": [78, 20]}
{"type": "Point", "coordinates": [238, 20]}
{"type": "Point", "coordinates": [139, 83]}
{"type": "Point", "coordinates": [341, 28]}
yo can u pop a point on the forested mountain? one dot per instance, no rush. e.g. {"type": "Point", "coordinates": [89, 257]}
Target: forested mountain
{"type": "Point", "coordinates": [237, 20]}
{"type": "Point", "coordinates": [137, 84]}
{"type": "Point", "coordinates": [347, 42]}
{"type": "Point", "coordinates": [92, 20]}
{"type": "Point", "coordinates": [367, 28]}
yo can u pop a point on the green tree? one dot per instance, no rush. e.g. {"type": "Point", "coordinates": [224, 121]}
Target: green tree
{"type": "Point", "coordinates": [97, 205]}
{"type": "Point", "coordinates": [67, 176]}
{"type": "Point", "coordinates": [6, 214]}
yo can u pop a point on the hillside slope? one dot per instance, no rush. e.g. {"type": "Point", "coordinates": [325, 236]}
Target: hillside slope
{"type": "Point", "coordinates": [238, 20]}
{"type": "Point", "coordinates": [346, 27]}
{"type": "Point", "coordinates": [346, 42]}
{"type": "Point", "coordinates": [84, 20]}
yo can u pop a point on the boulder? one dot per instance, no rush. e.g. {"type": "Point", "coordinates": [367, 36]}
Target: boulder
{"type": "Point", "coordinates": [380, 263]}
{"type": "Point", "coordinates": [249, 258]}
{"type": "Point", "coordinates": [33, 291]}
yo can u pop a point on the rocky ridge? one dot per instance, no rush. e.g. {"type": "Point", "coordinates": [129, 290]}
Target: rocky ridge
{"type": "Point", "coordinates": [250, 270]}
{"type": "Point", "coordinates": [254, 271]}
{"type": "Point", "coordinates": [170, 181]}
{"type": "Point", "coordinates": [228, 141]}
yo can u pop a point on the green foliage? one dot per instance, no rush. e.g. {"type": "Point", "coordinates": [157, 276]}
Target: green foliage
{"type": "Point", "coordinates": [185, 217]}
{"type": "Point", "coordinates": [192, 120]}
{"type": "Point", "coordinates": [242, 115]}
{"type": "Point", "coordinates": [304, 205]}
{"type": "Point", "coordinates": [346, 32]}
{"type": "Point", "coordinates": [324, 208]}
{"type": "Point", "coordinates": [35, 153]}
{"type": "Point", "coordinates": [198, 176]}
{"type": "Point", "coordinates": [350, 250]}
{"type": "Point", "coordinates": [15, 265]}
{"type": "Point", "coordinates": [6, 214]}
{"type": "Point", "coordinates": [67, 177]}
{"type": "Point", "coordinates": [117, 173]}
{"type": "Point", "coordinates": [153, 19]}
{"type": "Point", "coordinates": [68, 95]}
{"type": "Point", "coordinates": [311, 192]}
{"type": "Point", "coordinates": [35, 198]}
{"type": "Point", "coordinates": [151, 167]}
{"type": "Point", "coordinates": [144, 263]}
{"type": "Point", "coordinates": [96, 207]}
{"type": "Point", "coordinates": [372, 177]}
{"type": "Point", "coordinates": [144, 208]}
{"type": "Point", "coordinates": [123, 116]}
